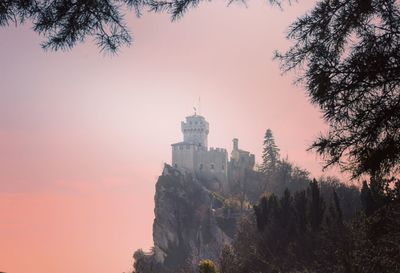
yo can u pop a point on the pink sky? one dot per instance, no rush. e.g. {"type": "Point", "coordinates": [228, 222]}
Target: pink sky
{"type": "Point", "coordinates": [84, 136]}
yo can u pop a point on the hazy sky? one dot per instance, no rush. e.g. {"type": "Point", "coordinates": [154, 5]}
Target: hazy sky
{"type": "Point", "coordinates": [84, 136]}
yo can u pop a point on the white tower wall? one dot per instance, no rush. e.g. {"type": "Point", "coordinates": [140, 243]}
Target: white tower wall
{"type": "Point", "coordinates": [195, 130]}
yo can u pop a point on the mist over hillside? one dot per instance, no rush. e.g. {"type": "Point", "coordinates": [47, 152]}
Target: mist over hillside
{"type": "Point", "coordinates": [208, 208]}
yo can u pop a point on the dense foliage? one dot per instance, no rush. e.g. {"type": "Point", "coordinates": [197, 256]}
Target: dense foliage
{"type": "Point", "coordinates": [347, 53]}
{"type": "Point", "coordinates": [309, 226]}
{"type": "Point", "coordinates": [306, 233]}
{"type": "Point", "coordinates": [64, 23]}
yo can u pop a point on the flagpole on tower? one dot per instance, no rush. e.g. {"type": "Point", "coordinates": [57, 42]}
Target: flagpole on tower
{"type": "Point", "coordinates": [199, 106]}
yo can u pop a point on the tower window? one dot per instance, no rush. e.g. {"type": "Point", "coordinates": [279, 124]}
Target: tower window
{"type": "Point", "coordinates": [212, 166]}
{"type": "Point", "coordinates": [223, 167]}
{"type": "Point", "coordinates": [201, 166]}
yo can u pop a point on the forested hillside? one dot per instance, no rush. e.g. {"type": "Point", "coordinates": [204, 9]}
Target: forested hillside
{"type": "Point", "coordinates": [273, 219]}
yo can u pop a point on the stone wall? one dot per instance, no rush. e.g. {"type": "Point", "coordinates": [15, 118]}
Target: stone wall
{"type": "Point", "coordinates": [195, 130]}
{"type": "Point", "coordinates": [213, 164]}
{"type": "Point", "coordinates": [183, 156]}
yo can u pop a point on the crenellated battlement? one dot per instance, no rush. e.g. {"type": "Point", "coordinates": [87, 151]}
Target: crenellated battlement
{"type": "Point", "coordinates": [195, 130]}
{"type": "Point", "coordinates": [192, 155]}
{"type": "Point", "coordinates": [217, 150]}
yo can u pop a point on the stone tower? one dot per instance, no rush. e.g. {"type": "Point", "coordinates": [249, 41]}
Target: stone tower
{"type": "Point", "coordinates": [195, 131]}
{"type": "Point", "coordinates": [192, 155]}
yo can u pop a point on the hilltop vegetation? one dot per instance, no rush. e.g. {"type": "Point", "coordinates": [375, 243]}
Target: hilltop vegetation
{"type": "Point", "coordinates": [274, 219]}
{"type": "Point", "coordinates": [323, 227]}
{"type": "Point", "coordinates": [317, 226]}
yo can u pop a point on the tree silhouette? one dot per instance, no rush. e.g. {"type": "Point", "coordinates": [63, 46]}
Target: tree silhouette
{"type": "Point", "coordinates": [270, 154]}
{"type": "Point", "coordinates": [368, 204]}
{"type": "Point", "coordinates": [64, 23]}
{"type": "Point", "coordinates": [348, 54]}
{"type": "Point", "coordinates": [317, 206]}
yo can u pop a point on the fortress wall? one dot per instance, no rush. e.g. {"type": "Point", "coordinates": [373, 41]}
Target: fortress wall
{"type": "Point", "coordinates": [213, 163]}
{"type": "Point", "coordinates": [192, 155]}
{"type": "Point", "coordinates": [183, 157]}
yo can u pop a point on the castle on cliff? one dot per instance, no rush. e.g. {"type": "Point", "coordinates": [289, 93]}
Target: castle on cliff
{"type": "Point", "coordinates": [192, 155]}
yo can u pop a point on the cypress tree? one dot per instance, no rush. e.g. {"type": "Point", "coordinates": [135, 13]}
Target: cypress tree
{"type": "Point", "coordinates": [270, 154]}
{"type": "Point", "coordinates": [338, 210]}
{"type": "Point", "coordinates": [317, 207]}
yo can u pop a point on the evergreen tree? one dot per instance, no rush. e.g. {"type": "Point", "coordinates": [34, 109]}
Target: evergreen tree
{"type": "Point", "coordinates": [296, 236]}
{"type": "Point", "coordinates": [261, 212]}
{"type": "Point", "coordinates": [367, 202]}
{"type": "Point", "coordinates": [300, 206]}
{"type": "Point", "coordinates": [270, 154]}
{"type": "Point", "coordinates": [347, 53]}
{"type": "Point", "coordinates": [338, 209]}
{"type": "Point", "coordinates": [286, 208]}
{"type": "Point", "coordinates": [317, 206]}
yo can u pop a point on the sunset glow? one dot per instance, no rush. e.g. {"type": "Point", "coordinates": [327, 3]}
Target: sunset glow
{"type": "Point", "coordinates": [83, 136]}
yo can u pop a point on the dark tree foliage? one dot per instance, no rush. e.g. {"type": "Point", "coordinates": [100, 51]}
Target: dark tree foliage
{"type": "Point", "coordinates": [317, 207]}
{"type": "Point", "coordinates": [255, 184]}
{"type": "Point", "coordinates": [348, 55]}
{"type": "Point", "coordinates": [283, 237]}
{"type": "Point", "coordinates": [289, 232]}
{"type": "Point", "coordinates": [177, 8]}
{"type": "Point", "coordinates": [300, 205]}
{"type": "Point", "coordinates": [64, 23]}
{"type": "Point", "coordinates": [348, 195]}
{"type": "Point", "coordinates": [286, 175]}
{"type": "Point", "coordinates": [379, 193]}
{"type": "Point", "coordinates": [338, 209]}
{"type": "Point", "coordinates": [377, 240]}
{"type": "Point", "coordinates": [368, 204]}
{"type": "Point", "coordinates": [261, 212]}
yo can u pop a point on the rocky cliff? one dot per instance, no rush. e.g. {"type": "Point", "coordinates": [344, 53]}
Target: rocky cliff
{"type": "Point", "coordinates": [191, 223]}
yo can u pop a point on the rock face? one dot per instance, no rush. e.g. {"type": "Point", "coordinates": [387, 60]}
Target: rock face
{"type": "Point", "coordinates": [190, 224]}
